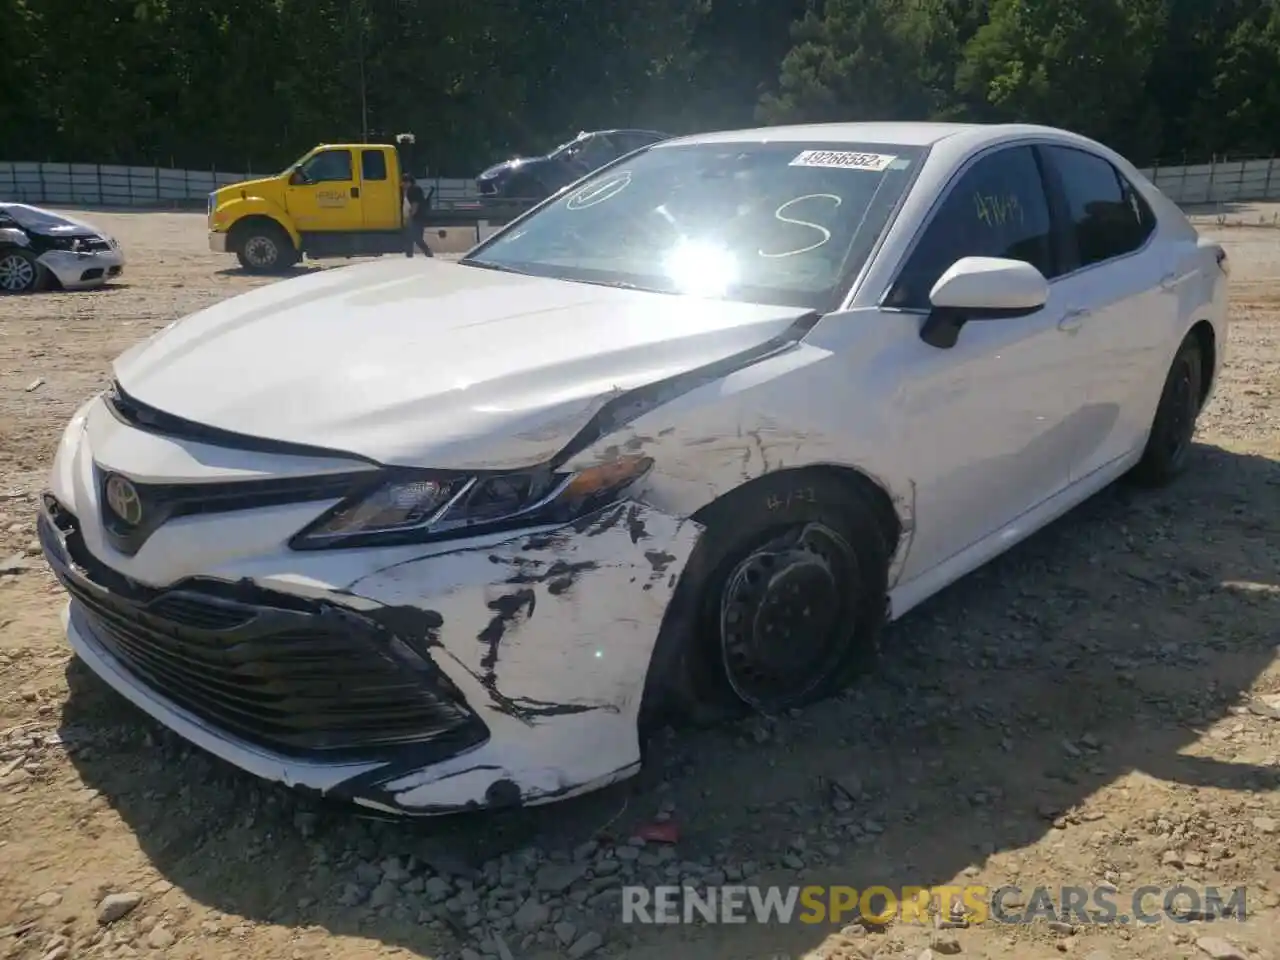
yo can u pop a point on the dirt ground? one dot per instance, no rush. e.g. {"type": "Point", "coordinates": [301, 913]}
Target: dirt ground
{"type": "Point", "coordinates": [1102, 705]}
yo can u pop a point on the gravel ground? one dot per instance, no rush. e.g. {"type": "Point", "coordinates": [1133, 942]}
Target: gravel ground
{"type": "Point", "coordinates": [1102, 705]}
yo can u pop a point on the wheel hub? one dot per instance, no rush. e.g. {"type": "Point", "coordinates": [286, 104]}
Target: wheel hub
{"type": "Point", "coordinates": [261, 251]}
{"type": "Point", "coordinates": [782, 614]}
{"type": "Point", "coordinates": [16, 273]}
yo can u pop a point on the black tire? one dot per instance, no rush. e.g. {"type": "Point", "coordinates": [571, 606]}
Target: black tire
{"type": "Point", "coordinates": [20, 272]}
{"type": "Point", "coordinates": [1168, 447]}
{"type": "Point", "coordinates": [804, 553]}
{"type": "Point", "coordinates": [264, 247]}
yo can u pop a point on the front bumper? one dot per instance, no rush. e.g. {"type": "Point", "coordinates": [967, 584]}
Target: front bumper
{"type": "Point", "coordinates": [217, 241]}
{"type": "Point", "coordinates": [419, 680]}
{"type": "Point", "coordinates": [79, 271]}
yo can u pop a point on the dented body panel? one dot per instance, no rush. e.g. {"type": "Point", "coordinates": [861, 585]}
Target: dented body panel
{"type": "Point", "coordinates": [547, 635]}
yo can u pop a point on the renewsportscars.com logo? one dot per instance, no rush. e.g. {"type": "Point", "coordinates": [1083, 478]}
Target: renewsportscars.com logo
{"type": "Point", "coordinates": [956, 905]}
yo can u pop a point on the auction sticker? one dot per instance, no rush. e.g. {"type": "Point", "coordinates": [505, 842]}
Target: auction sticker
{"type": "Point", "coordinates": [844, 160]}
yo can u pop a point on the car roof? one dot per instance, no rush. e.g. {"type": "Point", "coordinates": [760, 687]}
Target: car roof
{"type": "Point", "coordinates": [907, 134]}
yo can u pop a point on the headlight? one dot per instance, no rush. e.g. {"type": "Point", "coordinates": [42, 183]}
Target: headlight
{"type": "Point", "coordinates": [417, 507]}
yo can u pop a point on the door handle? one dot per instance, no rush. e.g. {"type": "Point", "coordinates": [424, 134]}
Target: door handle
{"type": "Point", "coordinates": [1169, 280]}
{"type": "Point", "coordinates": [355, 193]}
{"type": "Point", "coordinates": [1071, 320]}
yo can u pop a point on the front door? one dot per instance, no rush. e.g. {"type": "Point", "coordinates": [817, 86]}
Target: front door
{"type": "Point", "coordinates": [985, 424]}
{"type": "Point", "coordinates": [1128, 295]}
{"type": "Point", "coordinates": [324, 195]}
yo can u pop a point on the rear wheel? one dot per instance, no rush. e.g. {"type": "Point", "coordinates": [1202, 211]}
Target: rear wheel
{"type": "Point", "coordinates": [790, 583]}
{"type": "Point", "coordinates": [19, 271]}
{"type": "Point", "coordinates": [263, 247]}
{"type": "Point", "coordinates": [1169, 445]}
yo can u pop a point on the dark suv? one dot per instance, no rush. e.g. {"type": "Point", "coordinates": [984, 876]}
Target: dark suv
{"type": "Point", "coordinates": [533, 178]}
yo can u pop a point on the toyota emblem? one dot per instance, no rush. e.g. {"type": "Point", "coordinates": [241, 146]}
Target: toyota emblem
{"type": "Point", "coordinates": [123, 499]}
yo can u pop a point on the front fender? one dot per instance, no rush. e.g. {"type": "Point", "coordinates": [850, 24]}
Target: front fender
{"type": "Point", "coordinates": [711, 437]}
{"type": "Point", "coordinates": [228, 214]}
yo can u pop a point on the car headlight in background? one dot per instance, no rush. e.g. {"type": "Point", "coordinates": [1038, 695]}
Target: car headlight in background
{"type": "Point", "coordinates": [418, 507]}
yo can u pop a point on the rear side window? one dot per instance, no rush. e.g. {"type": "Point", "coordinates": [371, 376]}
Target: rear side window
{"type": "Point", "coordinates": [373, 165]}
{"type": "Point", "coordinates": [1108, 218]}
{"type": "Point", "coordinates": [997, 208]}
{"type": "Point", "coordinates": [634, 141]}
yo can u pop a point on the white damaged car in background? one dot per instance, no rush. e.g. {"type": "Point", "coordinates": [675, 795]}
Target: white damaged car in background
{"type": "Point", "coordinates": [41, 248]}
{"type": "Point", "coordinates": [431, 536]}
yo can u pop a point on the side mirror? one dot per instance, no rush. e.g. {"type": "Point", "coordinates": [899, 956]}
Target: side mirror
{"type": "Point", "coordinates": [981, 288]}
{"type": "Point", "coordinates": [298, 179]}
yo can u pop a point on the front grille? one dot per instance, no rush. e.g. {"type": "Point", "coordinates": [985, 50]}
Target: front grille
{"type": "Point", "coordinates": [301, 678]}
{"type": "Point", "coordinates": [158, 503]}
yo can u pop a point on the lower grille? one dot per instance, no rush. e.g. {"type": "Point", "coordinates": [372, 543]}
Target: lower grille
{"type": "Point", "coordinates": [297, 677]}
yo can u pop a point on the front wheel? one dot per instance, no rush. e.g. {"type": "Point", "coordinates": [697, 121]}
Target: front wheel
{"type": "Point", "coordinates": [790, 585]}
{"type": "Point", "coordinates": [265, 249]}
{"type": "Point", "coordinates": [1169, 445]}
{"type": "Point", "coordinates": [19, 272]}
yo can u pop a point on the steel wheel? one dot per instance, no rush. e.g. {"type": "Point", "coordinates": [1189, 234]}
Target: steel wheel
{"type": "Point", "coordinates": [1168, 449]}
{"type": "Point", "coordinates": [781, 616]}
{"type": "Point", "coordinates": [1184, 409]}
{"type": "Point", "coordinates": [18, 272]}
{"type": "Point", "coordinates": [261, 252]}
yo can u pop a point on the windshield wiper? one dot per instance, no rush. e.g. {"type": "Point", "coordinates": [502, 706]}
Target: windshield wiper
{"type": "Point", "coordinates": [620, 285]}
{"type": "Point", "coordinates": [499, 267]}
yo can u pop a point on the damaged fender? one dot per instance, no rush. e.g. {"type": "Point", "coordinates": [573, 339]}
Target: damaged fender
{"type": "Point", "coordinates": [549, 638]}
{"type": "Point", "coordinates": [708, 435]}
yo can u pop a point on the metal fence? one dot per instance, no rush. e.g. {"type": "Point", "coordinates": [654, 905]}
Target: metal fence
{"type": "Point", "coordinates": [1222, 181]}
{"type": "Point", "coordinates": [102, 185]}
{"type": "Point", "coordinates": [92, 185]}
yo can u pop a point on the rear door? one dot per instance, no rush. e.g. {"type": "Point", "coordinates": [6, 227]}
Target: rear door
{"type": "Point", "coordinates": [1123, 285]}
{"type": "Point", "coordinates": [324, 195]}
{"type": "Point", "coordinates": [379, 192]}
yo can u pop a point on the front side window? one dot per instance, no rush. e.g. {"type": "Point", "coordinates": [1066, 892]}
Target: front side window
{"type": "Point", "coordinates": [328, 165]}
{"type": "Point", "coordinates": [997, 208]}
{"type": "Point", "coordinates": [1108, 218]}
{"type": "Point", "coordinates": [776, 223]}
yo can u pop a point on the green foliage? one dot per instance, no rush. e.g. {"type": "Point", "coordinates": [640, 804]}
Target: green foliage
{"type": "Point", "coordinates": [250, 84]}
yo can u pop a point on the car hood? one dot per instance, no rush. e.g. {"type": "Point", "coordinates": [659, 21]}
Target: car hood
{"type": "Point", "coordinates": [48, 223]}
{"type": "Point", "coordinates": [430, 364]}
{"type": "Point", "coordinates": [232, 190]}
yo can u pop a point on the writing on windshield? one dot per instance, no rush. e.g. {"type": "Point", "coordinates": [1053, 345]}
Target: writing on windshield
{"type": "Point", "coordinates": [775, 222]}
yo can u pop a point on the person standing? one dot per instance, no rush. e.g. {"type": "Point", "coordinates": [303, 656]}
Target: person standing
{"type": "Point", "coordinates": [415, 217]}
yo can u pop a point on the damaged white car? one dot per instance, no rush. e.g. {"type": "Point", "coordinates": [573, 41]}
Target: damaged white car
{"type": "Point", "coordinates": [40, 248]}
{"type": "Point", "coordinates": [431, 536]}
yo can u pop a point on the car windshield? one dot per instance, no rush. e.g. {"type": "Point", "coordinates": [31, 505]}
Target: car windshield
{"type": "Point", "coordinates": [776, 223]}
{"type": "Point", "coordinates": [41, 221]}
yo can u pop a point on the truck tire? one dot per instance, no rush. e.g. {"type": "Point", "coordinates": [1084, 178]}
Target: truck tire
{"type": "Point", "coordinates": [263, 247]}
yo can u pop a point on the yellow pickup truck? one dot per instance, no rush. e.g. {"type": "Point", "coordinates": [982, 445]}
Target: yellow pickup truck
{"type": "Point", "coordinates": [339, 200]}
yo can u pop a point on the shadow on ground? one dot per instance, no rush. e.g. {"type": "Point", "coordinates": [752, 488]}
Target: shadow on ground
{"type": "Point", "coordinates": [1106, 644]}
{"type": "Point", "coordinates": [297, 270]}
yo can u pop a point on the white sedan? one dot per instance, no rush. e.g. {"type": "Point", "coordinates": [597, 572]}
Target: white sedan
{"type": "Point", "coordinates": [38, 245]}
{"type": "Point", "coordinates": [431, 536]}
